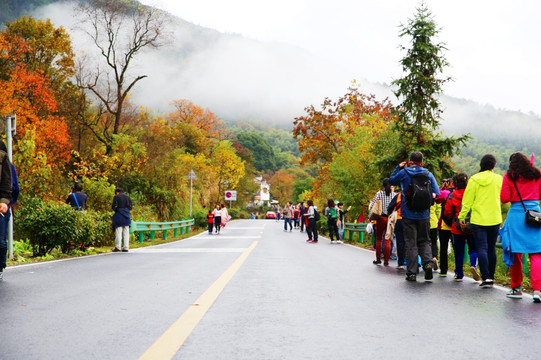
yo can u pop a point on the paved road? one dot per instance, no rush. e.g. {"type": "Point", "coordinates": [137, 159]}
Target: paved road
{"type": "Point", "coordinates": [276, 297]}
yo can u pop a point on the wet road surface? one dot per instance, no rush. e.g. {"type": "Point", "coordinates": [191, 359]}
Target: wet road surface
{"type": "Point", "coordinates": [254, 292]}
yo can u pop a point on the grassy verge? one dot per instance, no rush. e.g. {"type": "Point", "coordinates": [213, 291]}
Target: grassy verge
{"type": "Point", "coordinates": [22, 250]}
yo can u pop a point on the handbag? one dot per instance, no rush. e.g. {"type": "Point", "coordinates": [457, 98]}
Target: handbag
{"type": "Point", "coordinates": [375, 210]}
{"type": "Point", "coordinates": [532, 217]}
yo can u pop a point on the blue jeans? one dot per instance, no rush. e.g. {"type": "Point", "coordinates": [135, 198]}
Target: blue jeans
{"type": "Point", "coordinates": [459, 245]}
{"type": "Point", "coordinates": [485, 243]}
{"type": "Point", "coordinates": [4, 220]}
{"type": "Point", "coordinates": [287, 221]}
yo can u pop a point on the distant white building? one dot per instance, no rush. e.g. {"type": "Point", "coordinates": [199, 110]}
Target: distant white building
{"type": "Point", "coordinates": [264, 191]}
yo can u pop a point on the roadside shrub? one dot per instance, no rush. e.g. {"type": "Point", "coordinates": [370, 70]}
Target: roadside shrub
{"type": "Point", "coordinates": [100, 193]}
{"type": "Point", "coordinates": [200, 218]}
{"type": "Point", "coordinates": [50, 226]}
{"type": "Point", "coordinates": [47, 225]}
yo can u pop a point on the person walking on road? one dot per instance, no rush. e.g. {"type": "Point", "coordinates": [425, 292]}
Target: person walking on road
{"type": "Point", "coordinates": [8, 178]}
{"type": "Point", "coordinates": [122, 206]}
{"type": "Point", "coordinates": [482, 198]}
{"type": "Point", "coordinates": [522, 188]}
{"type": "Point", "coordinates": [311, 226]}
{"type": "Point", "coordinates": [288, 216]}
{"type": "Point", "coordinates": [210, 221]}
{"type": "Point", "coordinates": [342, 219]}
{"type": "Point", "coordinates": [332, 213]}
{"type": "Point", "coordinates": [385, 195]}
{"type": "Point", "coordinates": [303, 209]}
{"type": "Point", "coordinates": [296, 216]}
{"type": "Point", "coordinates": [444, 229]}
{"type": "Point", "coordinates": [217, 218]}
{"type": "Point", "coordinates": [460, 235]}
{"type": "Point", "coordinates": [415, 211]}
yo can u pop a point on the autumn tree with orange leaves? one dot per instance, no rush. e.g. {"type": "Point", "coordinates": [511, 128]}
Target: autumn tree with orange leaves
{"type": "Point", "coordinates": [321, 131]}
{"type": "Point", "coordinates": [27, 92]}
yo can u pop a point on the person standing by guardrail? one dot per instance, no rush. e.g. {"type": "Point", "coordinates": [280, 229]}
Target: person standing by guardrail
{"type": "Point", "coordinates": [122, 206]}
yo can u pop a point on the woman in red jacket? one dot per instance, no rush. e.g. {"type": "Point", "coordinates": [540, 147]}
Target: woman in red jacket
{"type": "Point", "coordinates": [522, 180]}
{"type": "Point", "coordinates": [460, 237]}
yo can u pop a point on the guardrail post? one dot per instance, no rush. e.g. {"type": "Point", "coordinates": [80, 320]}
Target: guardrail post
{"type": "Point", "coordinates": [165, 234]}
{"type": "Point", "coordinates": [141, 237]}
{"type": "Point", "coordinates": [175, 232]}
{"type": "Point", "coordinates": [152, 235]}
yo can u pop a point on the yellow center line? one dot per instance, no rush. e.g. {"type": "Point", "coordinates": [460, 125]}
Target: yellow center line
{"type": "Point", "coordinates": [172, 340]}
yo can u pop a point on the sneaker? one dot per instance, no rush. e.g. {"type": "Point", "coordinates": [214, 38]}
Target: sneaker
{"type": "Point", "coordinates": [376, 262]}
{"type": "Point", "coordinates": [537, 296]}
{"type": "Point", "coordinates": [443, 275]}
{"type": "Point", "coordinates": [515, 293]}
{"type": "Point", "coordinates": [474, 273]}
{"type": "Point", "coordinates": [386, 263]}
{"type": "Point", "coordinates": [428, 272]}
{"type": "Point", "coordinates": [400, 267]}
{"type": "Point", "coordinates": [457, 279]}
{"type": "Point", "coordinates": [411, 277]}
{"type": "Point", "coordinates": [435, 261]}
{"type": "Point", "coordinates": [125, 250]}
{"type": "Point", "coordinates": [488, 283]}
{"type": "Point", "coordinates": [309, 240]}
{"type": "Point", "coordinates": [115, 250]}
{"type": "Point", "coordinates": [339, 242]}
{"type": "Point", "coordinates": [314, 242]}
{"type": "Point", "coordinates": [333, 242]}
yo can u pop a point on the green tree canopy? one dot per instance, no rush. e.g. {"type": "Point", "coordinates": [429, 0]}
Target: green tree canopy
{"type": "Point", "coordinates": [262, 152]}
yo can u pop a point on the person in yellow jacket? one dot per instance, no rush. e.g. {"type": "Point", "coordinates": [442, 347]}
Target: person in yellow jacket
{"type": "Point", "coordinates": [482, 198]}
{"type": "Point", "coordinates": [435, 212]}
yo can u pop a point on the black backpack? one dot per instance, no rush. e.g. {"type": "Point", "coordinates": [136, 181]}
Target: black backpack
{"type": "Point", "coordinates": [316, 215]}
{"type": "Point", "coordinates": [419, 193]}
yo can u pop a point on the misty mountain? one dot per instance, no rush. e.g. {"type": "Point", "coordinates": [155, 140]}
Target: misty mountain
{"type": "Point", "coordinates": [244, 79]}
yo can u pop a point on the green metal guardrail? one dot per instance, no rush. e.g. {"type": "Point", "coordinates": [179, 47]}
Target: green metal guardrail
{"type": "Point", "coordinates": [141, 227]}
{"type": "Point", "coordinates": [355, 228]}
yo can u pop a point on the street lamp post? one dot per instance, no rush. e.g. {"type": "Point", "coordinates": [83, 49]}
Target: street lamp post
{"type": "Point", "coordinates": [192, 177]}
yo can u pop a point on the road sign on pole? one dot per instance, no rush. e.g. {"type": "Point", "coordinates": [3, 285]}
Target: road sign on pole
{"type": "Point", "coordinates": [231, 195]}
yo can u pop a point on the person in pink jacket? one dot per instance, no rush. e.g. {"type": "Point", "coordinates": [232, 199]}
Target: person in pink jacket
{"type": "Point", "coordinates": [522, 187]}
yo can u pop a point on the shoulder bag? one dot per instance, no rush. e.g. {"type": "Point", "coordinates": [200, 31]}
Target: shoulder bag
{"type": "Point", "coordinates": [532, 217]}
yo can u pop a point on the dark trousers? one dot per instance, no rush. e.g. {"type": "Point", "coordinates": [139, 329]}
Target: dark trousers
{"type": "Point", "coordinates": [311, 229]}
{"type": "Point", "coordinates": [434, 242]}
{"type": "Point", "coordinates": [417, 239]}
{"type": "Point", "coordinates": [333, 229]}
{"type": "Point", "coordinates": [287, 221]}
{"type": "Point", "coordinates": [302, 222]}
{"type": "Point", "coordinates": [445, 236]}
{"type": "Point", "coordinates": [217, 223]}
{"type": "Point", "coordinates": [400, 244]}
{"type": "Point", "coordinates": [485, 243]}
{"type": "Point", "coordinates": [459, 245]}
{"type": "Point", "coordinates": [4, 221]}
{"type": "Point", "coordinates": [211, 226]}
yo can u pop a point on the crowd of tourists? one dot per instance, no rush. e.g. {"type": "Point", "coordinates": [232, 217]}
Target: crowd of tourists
{"type": "Point", "coordinates": [305, 216]}
{"type": "Point", "coordinates": [465, 211]}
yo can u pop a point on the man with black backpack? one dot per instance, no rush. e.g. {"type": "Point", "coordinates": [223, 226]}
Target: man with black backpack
{"type": "Point", "coordinates": [419, 187]}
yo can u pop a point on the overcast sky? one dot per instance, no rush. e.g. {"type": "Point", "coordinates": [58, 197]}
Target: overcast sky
{"type": "Point", "coordinates": [493, 45]}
